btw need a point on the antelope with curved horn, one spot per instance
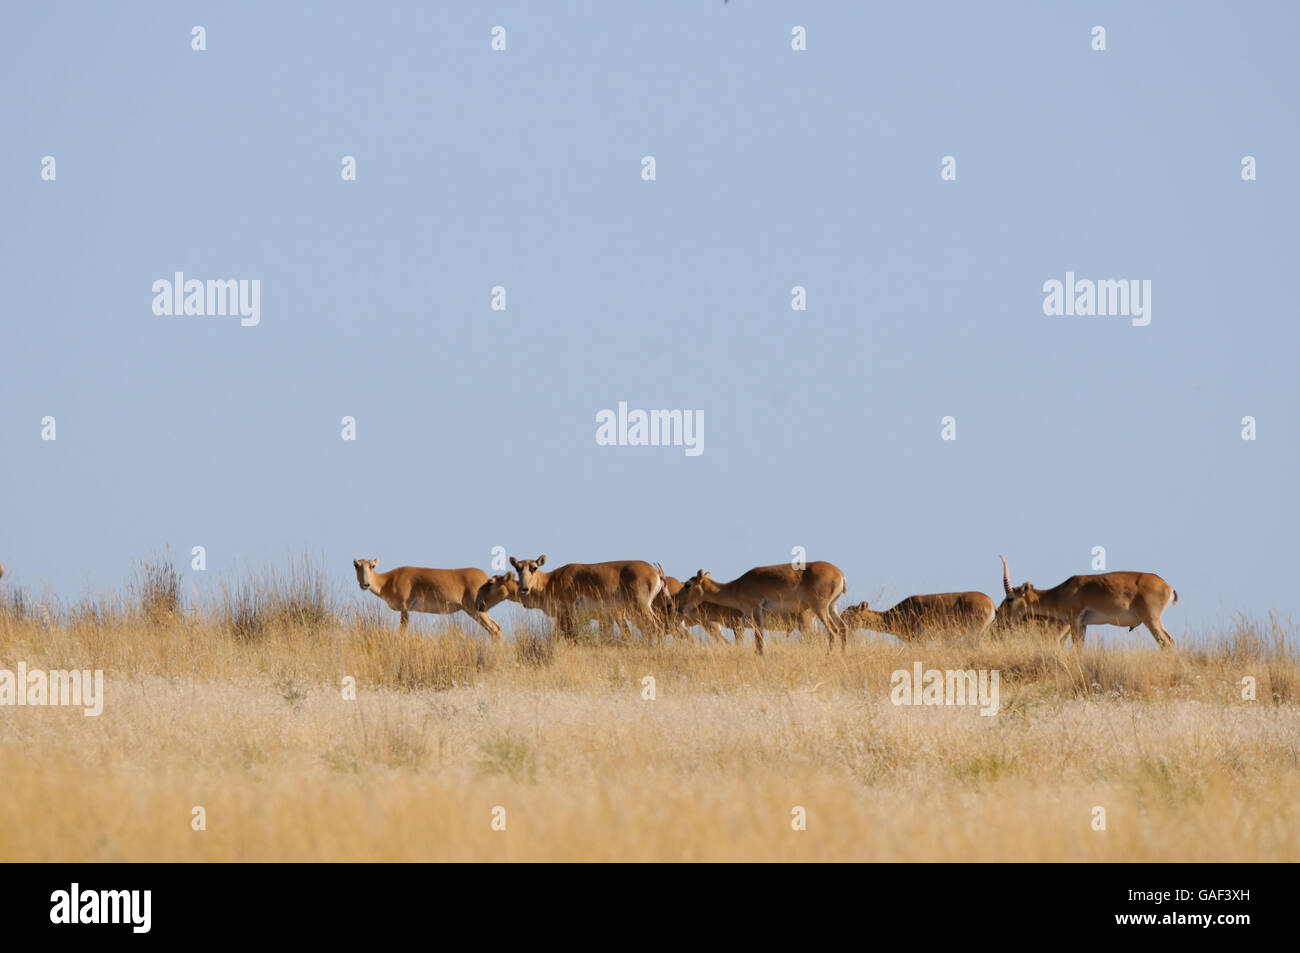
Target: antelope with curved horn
(438, 591)
(925, 616)
(1109, 598)
(774, 589)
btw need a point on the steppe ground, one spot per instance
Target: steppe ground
(239, 709)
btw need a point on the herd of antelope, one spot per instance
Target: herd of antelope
(785, 597)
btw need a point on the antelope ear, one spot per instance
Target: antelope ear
(541, 560)
(374, 563)
(514, 562)
(356, 564)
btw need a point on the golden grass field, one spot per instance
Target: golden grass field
(239, 709)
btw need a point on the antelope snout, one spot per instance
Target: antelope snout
(365, 585)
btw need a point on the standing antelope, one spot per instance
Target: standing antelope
(439, 591)
(774, 589)
(622, 590)
(712, 617)
(1108, 598)
(919, 617)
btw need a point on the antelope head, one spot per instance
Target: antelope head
(692, 592)
(1020, 601)
(855, 613)
(527, 569)
(496, 590)
(365, 571)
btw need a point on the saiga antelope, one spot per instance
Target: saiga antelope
(622, 590)
(774, 589)
(495, 590)
(919, 617)
(714, 618)
(505, 587)
(439, 591)
(1109, 598)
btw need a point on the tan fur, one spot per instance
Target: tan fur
(709, 617)
(773, 589)
(925, 616)
(1109, 598)
(675, 622)
(495, 590)
(720, 617)
(439, 591)
(621, 591)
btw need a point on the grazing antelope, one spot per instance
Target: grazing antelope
(623, 590)
(1109, 598)
(438, 591)
(774, 589)
(920, 617)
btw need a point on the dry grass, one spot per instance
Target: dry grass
(242, 713)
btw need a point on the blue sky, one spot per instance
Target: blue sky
(775, 168)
